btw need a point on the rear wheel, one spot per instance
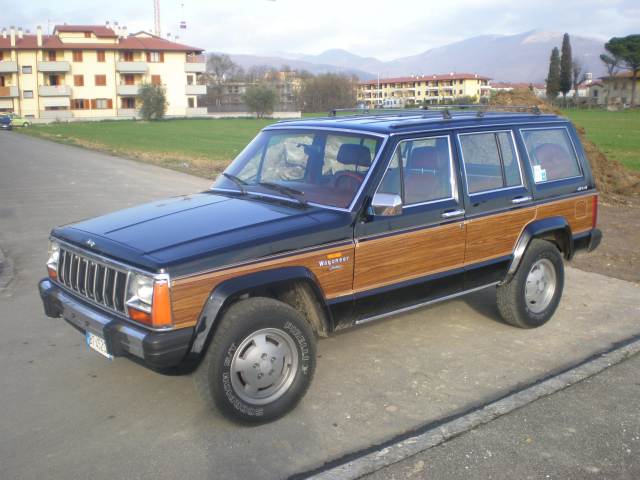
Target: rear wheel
(530, 298)
(260, 362)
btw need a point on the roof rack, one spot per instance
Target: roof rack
(483, 108)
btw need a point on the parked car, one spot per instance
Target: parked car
(322, 224)
(5, 122)
(18, 121)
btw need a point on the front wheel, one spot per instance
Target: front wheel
(530, 298)
(260, 362)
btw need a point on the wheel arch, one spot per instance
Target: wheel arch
(555, 229)
(296, 286)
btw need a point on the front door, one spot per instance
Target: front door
(408, 259)
(498, 202)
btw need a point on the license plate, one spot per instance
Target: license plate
(98, 344)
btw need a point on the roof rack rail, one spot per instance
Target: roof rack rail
(483, 108)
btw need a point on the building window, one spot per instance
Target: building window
(460, 92)
(27, 69)
(155, 80)
(27, 94)
(156, 57)
(78, 80)
(53, 80)
(100, 55)
(128, 79)
(79, 104)
(127, 56)
(128, 102)
(189, 79)
(102, 104)
(190, 102)
(77, 55)
(1, 56)
(52, 55)
(87, 34)
(100, 80)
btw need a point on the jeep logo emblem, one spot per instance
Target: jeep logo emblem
(91, 243)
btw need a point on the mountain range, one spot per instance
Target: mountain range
(522, 57)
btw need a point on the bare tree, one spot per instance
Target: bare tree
(612, 64)
(578, 76)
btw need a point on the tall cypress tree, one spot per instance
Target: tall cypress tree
(553, 78)
(566, 63)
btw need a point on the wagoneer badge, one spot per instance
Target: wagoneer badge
(91, 243)
(334, 261)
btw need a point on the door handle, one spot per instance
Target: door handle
(452, 213)
(521, 200)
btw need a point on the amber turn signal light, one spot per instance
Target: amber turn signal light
(53, 274)
(161, 308)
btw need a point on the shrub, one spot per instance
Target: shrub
(154, 101)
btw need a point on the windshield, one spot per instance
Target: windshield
(321, 167)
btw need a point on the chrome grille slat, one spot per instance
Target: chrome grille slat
(82, 275)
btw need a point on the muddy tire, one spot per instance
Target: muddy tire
(530, 297)
(260, 362)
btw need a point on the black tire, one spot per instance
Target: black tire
(512, 302)
(213, 378)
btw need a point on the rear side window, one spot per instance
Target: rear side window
(490, 161)
(551, 154)
(421, 170)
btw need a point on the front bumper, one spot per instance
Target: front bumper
(157, 350)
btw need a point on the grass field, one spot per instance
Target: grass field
(201, 147)
(616, 133)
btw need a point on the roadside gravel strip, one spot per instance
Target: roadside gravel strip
(368, 461)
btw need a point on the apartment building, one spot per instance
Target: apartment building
(422, 89)
(94, 72)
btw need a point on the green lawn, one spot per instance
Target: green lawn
(199, 146)
(616, 133)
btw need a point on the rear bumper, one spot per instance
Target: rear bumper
(588, 241)
(157, 350)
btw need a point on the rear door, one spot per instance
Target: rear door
(497, 199)
(418, 255)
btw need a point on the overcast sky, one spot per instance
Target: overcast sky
(385, 29)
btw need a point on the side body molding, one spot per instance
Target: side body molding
(539, 228)
(240, 285)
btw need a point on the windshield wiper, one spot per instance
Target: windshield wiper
(288, 191)
(238, 181)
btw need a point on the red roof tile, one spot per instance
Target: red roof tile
(52, 42)
(97, 30)
(421, 78)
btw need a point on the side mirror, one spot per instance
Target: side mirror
(386, 205)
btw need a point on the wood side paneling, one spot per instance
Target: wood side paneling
(578, 212)
(188, 295)
(394, 258)
(400, 257)
(495, 235)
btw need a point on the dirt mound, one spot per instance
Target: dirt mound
(614, 180)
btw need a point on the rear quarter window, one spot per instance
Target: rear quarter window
(551, 154)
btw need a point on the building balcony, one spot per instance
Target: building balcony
(195, 64)
(197, 111)
(127, 90)
(54, 90)
(9, 92)
(196, 90)
(60, 66)
(56, 114)
(126, 112)
(132, 67)
(8, 67)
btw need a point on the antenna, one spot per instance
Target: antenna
(156, 17)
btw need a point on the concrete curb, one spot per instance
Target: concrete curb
(404, 448)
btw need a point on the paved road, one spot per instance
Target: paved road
(67, 413)
(591, 430)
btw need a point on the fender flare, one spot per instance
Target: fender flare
(538, 228)
(233, 287)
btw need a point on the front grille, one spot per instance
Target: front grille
(93, 280)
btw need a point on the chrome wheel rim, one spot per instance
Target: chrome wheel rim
(264, 366)
(540, 285)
